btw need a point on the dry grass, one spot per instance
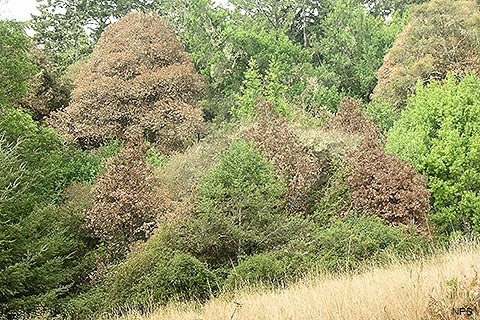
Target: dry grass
(401, 291)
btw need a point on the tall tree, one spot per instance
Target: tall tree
(68, 29)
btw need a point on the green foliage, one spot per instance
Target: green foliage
(250, 93)
(260, 269)
(16, 67)
(44, 246)
(439, 133)
(259, 88)
(353, 241)
(382, 113)
(242, 185)
(156, 275)
(45, 257)
(239, 208)
(351, 47)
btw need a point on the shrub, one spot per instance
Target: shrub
(260, 269)
(138, 83)
(239, 210)
(126, 204)
(271, 133)
(438, 133)
(156, 275)
(354, 241)
(46, 258)
(440, 37)
(380, 183)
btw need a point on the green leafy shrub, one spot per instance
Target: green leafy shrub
(439, 133)
(46, 258)
(353, 241)
(260, 269)
(240, 210)
(46, 252)
(155, 275)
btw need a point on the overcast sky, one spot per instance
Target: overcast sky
(22, 9)
(17, 9)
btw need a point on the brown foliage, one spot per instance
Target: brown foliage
(126, 206)
(442, 36)
(137, 83)
(301, 167)
(46, 93)
(380, 183)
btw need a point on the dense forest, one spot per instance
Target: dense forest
(155, 152)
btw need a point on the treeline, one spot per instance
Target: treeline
(188, 149)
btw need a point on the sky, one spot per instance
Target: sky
(17, 9)
(22, 9)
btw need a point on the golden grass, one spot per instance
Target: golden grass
(401, 291)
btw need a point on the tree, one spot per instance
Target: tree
(350, 48)
(439, 133)
(138, 85)
(442, 36)
(68, 29)
(16, 66)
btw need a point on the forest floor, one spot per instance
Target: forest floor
(443, 286)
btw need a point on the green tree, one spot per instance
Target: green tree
(350, 48)
(44, 247)
(439, 133)
(16, 67)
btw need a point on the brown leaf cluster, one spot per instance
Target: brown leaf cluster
(380, 183)
(138, 83)
(126, 205)
(300, 166)
(442, 36)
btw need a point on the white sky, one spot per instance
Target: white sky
(22, 9)
(17, 9)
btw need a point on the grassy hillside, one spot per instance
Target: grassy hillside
(424, 289)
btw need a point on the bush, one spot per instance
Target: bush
(135, 87)
(271, 134)
(357, 240)
(127, 204)
(380, 183)
(156, 275)
(440, 37)
(438, 133)
(239, 211)
(46, 252)
(46, 258)
(260, 269)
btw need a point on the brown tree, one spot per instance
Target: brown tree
(380, 183)
(299, 165)
(442, 36)
(138, 83)
(126, 205)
